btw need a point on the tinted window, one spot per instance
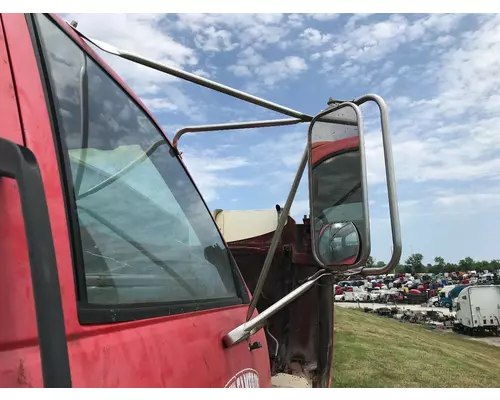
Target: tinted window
(146, 235)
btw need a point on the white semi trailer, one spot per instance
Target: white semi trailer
(478, 310)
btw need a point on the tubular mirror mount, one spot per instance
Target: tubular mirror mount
(234, 126)
(391, 186)
(188, 76)
(244, 331)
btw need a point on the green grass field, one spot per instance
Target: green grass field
(372, 351)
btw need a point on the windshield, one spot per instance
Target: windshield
(145, 233)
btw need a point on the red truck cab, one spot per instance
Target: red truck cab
(113, 272)
(142, 305)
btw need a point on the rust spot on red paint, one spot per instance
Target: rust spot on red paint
(21, 375)
(73, 337)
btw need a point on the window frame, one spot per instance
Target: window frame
(89, 313)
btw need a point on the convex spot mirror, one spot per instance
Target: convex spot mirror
(339, 243)
(340, 229)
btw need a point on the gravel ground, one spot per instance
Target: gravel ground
(493, 340)
(445, 311)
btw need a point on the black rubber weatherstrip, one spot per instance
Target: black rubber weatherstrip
(19, 163)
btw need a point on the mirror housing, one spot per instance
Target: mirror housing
(340, 227)
(334, 133)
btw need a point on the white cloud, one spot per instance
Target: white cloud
(324, 16)
(315, 56)
(432, 159)
(388, 83)
(295, 20)
(259, 30)
(226, 163)
(441, 23)
(443, 202)
(211, 39)
(355, 19)
(145, 35)
(453, 134)
(159, 104)
(348, 73)
(313, 37)
(284, 69)
(387, 67)
(140, 34)
(444, 40)
(402, 70)
(201, 72)
(371, 42)
(267, 18)
(267, 73)
(470, 76)
(189, 107)
(472, 201)
(287, 149)
(239, 70)
(250, 57)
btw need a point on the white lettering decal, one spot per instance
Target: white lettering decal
(247, 378)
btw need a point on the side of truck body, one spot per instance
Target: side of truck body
(478, 309)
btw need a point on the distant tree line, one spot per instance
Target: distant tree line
(415, 264)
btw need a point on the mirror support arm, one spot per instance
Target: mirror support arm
(244, 331)
(198, 80)
(245, 125)
(391, 186)
(277, 235)
(234, 126)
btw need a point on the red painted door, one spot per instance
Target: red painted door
(148, 285)
(17, 314)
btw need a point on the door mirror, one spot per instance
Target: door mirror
(340, 232)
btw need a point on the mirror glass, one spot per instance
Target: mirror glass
(336, 185)
(338, 243)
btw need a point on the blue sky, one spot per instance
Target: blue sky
(439, 74)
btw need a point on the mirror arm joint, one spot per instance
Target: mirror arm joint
(247, 329)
